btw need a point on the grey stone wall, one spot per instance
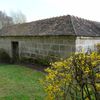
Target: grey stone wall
(5, 43)
(58, 46)
(86, 43)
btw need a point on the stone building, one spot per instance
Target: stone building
(54, 37)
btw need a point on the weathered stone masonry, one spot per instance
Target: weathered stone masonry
(41, 46)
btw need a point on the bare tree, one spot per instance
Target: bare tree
(5, 20)
(18, 17)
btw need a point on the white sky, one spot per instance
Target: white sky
(40, 9)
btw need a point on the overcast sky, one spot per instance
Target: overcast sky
(39, 9)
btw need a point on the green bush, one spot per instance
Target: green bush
(4, 56)
(40, 60)
(45, 61)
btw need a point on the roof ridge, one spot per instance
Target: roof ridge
(72, 24)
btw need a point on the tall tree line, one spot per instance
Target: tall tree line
(5, 20)
(14, 18)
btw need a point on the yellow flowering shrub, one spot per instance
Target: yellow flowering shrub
(74, 78)
(98, 86)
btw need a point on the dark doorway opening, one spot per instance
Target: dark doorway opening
(15, 51)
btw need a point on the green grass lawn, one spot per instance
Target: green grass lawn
(20, 83)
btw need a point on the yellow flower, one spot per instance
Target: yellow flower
(87, 70)
(98, 75)
(94, 63)
(98, 86)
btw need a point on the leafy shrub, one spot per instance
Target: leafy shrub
(30, 60)
(41, 61)
(38, 59)
(74, 78)
(45, 61)
(4, 56)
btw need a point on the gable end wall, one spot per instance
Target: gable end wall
(86, 43)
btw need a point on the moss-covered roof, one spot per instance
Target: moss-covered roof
(63, 25)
